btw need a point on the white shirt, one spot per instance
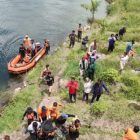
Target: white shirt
(87, 87)
(124, 59)
(30, 127)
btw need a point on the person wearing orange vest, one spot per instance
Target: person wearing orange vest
(54, 111)
(30, 114)
(131, 134)
(43, 113)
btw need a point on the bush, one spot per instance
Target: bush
(132, 87)
(110, 75)
(99, 108)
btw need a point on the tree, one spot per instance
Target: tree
(92, 7)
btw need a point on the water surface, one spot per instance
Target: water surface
(52, 19)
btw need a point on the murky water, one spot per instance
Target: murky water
(52, 19)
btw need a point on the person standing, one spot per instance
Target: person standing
(49, 79)
(98, 90)
(33, 129)
(33, 49)
(91, 71)
(93, 46)
(43, 113)
(80, 32)
(111, 43)
(30, 114)
(73, 87)
(122, 31)
(45, 72)
(131, 134)
(47, 45)
(129, 48)
(87, 89)
(72, 38)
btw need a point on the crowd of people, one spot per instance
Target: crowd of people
(29, 48)
(49, 123)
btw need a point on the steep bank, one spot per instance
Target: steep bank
(108, 118)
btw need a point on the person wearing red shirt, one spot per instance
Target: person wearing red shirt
(73, 87)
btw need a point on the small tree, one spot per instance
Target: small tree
(92, 7)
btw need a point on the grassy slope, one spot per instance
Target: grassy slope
(117, 113)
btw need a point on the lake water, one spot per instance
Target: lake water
(40, 19)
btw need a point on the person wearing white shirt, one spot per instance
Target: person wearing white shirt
(123, 61)
(87, 89)
(33, 129)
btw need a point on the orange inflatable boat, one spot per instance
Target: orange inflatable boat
(16, 67)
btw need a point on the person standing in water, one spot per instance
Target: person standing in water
(80, 32)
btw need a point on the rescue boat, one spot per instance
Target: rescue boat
(16, 67)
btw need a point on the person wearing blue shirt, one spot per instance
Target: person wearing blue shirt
(98, 90)
(129, 46)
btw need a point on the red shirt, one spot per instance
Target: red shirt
(73, 86)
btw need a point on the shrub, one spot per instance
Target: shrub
(110, 75)
(99, 108)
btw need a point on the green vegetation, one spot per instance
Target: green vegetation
(92, 7)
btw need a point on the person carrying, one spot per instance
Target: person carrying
(80, 32)
(131, 134)
(111, 43)
(43, 113)
(74, 129)
(98, 90)
(34, 129)
(30, 114)
(72, 38)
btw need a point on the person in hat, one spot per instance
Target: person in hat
(72, 38)
(43, 113)
(80, 32)
(27, 43)
(73, 87)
